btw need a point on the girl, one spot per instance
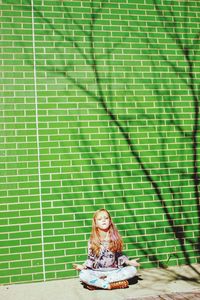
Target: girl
(106, 266)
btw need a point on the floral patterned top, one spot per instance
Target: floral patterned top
(106, 259)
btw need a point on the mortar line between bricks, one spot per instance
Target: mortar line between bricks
(37, 135)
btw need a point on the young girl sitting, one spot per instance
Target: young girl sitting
(106, 266)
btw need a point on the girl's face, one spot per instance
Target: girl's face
(102, 221)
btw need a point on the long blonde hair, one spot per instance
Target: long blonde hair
(115, 242)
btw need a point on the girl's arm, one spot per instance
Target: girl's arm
(133, 262)
(88, 263)
(79, 267)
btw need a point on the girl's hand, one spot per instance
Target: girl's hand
(78, 267)
(133, 262)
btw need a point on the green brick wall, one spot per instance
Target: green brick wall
(99, 108)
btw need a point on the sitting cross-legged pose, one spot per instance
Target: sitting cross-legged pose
(106, 266)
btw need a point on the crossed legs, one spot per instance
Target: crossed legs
(103, 279)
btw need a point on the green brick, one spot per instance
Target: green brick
(22, 278)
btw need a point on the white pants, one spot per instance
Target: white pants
(102, 279)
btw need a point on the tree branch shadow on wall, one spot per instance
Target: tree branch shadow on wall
(188, 52)
(91, 61)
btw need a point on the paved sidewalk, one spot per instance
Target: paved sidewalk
(150, 282)
(173, 296)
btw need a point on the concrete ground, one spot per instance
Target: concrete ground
(150, 282)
